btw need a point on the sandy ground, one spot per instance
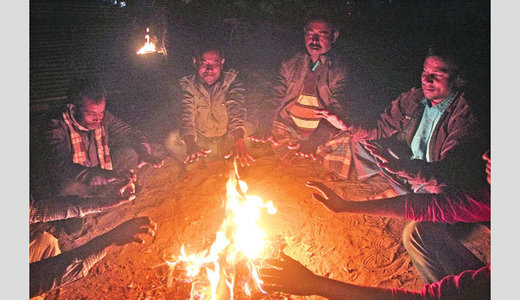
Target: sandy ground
(354, 248)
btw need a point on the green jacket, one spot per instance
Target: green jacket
(212, 111)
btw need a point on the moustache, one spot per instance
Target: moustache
(315, 45)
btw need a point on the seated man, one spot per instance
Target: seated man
(44, 211)
(423, 137)
(458, 274)
(59, 269)
(49, 266)
(213, 112)
(312, 79)
(291, 277)
(90, 147)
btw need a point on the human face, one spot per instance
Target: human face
(92, 114)
(209, 66)
(436, 81)
(319, 38)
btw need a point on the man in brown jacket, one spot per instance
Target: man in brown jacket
(212, 112)
(312, 79)
(424, 139)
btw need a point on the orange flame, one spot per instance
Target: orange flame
(239, 238)
(148, 47)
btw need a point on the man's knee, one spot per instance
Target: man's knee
(124, 158)
(424, 237)
(415, 233)
(43, 245)
(175, 146)
(408, 234)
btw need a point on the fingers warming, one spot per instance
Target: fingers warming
(142, 221)
(319, 197)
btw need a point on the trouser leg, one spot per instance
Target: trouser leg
(366, 166)
(436, 252)
(124, 158)
(285, 135)
(43, 245)
(175, 147)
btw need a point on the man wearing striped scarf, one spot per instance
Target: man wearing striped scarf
(90, 147)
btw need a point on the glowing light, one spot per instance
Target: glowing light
(239, 240)
(148, 47)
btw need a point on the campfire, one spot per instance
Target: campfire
(149, 46)
(229, 269)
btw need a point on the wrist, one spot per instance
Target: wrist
(189, 141)
(319, 285)
(100, 243)
(237, 134)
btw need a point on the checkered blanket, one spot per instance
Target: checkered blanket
(335, 154)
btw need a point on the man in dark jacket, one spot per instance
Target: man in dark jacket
(90, 147)
(449, 270)
(420, 142)
(312, 79)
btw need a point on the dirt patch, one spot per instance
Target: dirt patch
(354, 248)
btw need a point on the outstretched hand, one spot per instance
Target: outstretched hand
(263, 136)
(126, 175)
(331, 118)
(123, 193)
(152, 160)
(131, 231)
(385, 158)
(330, 199)
(194, 152)
(99, 176)
(487, 157)
(288, 276)
(306, 149)
(239, 152)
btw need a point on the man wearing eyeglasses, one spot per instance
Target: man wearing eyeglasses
(212, 122)
(311, 79)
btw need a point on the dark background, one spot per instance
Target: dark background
(383, 42)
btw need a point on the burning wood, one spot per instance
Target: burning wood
(230, 267)
(149, 46)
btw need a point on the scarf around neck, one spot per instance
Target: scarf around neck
(79, 154)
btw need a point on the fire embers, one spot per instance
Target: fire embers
(229, 269)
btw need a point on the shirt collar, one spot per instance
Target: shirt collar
(441, 107)
(207, 86)
(324, 59)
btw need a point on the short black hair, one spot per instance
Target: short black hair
(82, 88)
(454, 60)
(321, 15)
(206, 47)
